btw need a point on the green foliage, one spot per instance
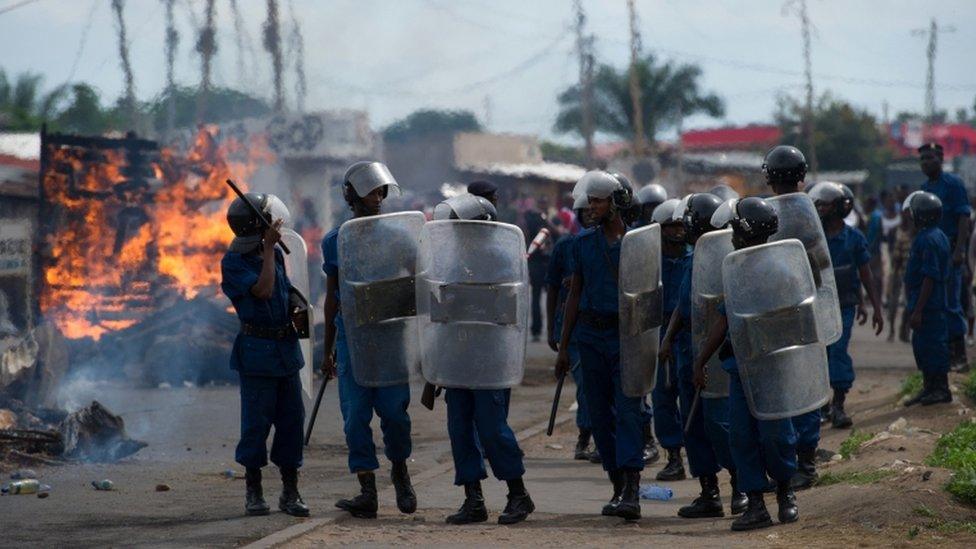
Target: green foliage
(853, 442)
(924, 511)
(912, 385)
(847, 138)
(969, 386)
(220, 105)
(427, 122)
(853, 477)
(962, 485)
(913, 532)
(956, 449)
(669, 92)
(22, 105)
(554, 152)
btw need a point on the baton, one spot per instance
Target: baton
(315, 411)
(257, 212)
(667, 375)
(555, 405)
(694, 408)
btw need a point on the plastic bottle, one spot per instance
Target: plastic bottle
(26, 486)
(103, 485)
(653, 491)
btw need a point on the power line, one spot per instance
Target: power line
(16, 5)
(933, 34)
(83, 41)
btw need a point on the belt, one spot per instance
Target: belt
(600, 321)
(284, 331)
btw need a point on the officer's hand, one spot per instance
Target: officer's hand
(916, 319)
(328, 366)
(664, 354)
(877, 321)
(862, 315)
(562, 364)
(553, 344)
(272, 234)
(699, 376)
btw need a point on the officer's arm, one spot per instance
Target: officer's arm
(962, 236)
(928, 284)
(569, 314)
(676, 325)
(716, 336)
(552, 296)
(264, 287)
(331, 309)
(867, 278)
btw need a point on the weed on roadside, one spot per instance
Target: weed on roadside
(853, 442)
(969, 386)
(853, 477)
(956, 451)
(924, 511)
(911, 385)
(962, 485)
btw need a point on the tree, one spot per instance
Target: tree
(669, 93)
(219, 105)
(22, 105)
(426, 122)
(83, 113)
(846, 138)
(555, 152)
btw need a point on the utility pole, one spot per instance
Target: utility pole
(130, 91)
(809, 130)
(584, 46)
(172, 41)
(640, 143)
(206, 47)
(488, 112)
(933, 35)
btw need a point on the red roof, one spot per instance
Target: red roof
(956, 139)
(10, 160)
(744, 138)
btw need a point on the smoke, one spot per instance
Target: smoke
(130, 87)
(272, 43)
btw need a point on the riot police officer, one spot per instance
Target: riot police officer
(266, 354)
(650, 197)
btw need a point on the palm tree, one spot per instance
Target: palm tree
(22, 105)
(669, 92)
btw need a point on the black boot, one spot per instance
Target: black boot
(740, 501)
(708, 504)
(675, 469)
(617, 478)
(926, 388)
(629, 506)
(651, 453)
(838, 417)
(939, 391)
(406, 498)
(806, 469)
(595, 456)
(786, 500)
(473, 509)
(756, 515)
(290, 501)
(254, 503)
(825, 415)
(957, 351)
(519, 504)
(582, 445)
(364, 505)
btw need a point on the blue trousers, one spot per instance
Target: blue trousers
(477, 422)
(358, 404)
(582, 412)
(667, 416)
(707, 439)
(838, 359)
(759, 447)
(267, 401)
(956, 316)
(930, 343)
(615, 418)
(807, 427)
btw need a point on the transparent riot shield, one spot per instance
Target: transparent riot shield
(641, 308)
(707, 294)
(798, 219)
(472, 304)
(296, 266)
(377, 262)
(770, 300)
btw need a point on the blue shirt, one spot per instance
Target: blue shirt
(848, 251)
(684, 293)
(930, 258)
(596, 262)
(253, 355)
(955, 202)
(330, 265)
(874, 232)
(673, 271)
(558, 271)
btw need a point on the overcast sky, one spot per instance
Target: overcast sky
(506, 60)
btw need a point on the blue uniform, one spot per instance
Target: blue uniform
(557, 275)
(930, 258)
(667, 416)
(477, 423)
(955, 204)
(615, 418)
(707, 439)
(357, 402)
(271, 391)
(759, 447)
(848, 253)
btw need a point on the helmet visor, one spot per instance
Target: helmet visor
(371, 177)
(724, 214)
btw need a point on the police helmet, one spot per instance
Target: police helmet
(664, 213)
(580, 202)
(724, 192)
(244, 222)
(652, 194)
(363, 177)
(698, 213)
(750, 218)
(925, 207)
(466, 207)
(784, 164)
(624, 197)
(832, 194)
(849, 195)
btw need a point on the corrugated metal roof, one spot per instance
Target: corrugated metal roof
(553, 171)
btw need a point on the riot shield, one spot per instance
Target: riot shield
(798, 219)
(641, 309)
(296, 266)
(707, 294)
(472, 304)
(377, 262)
(770, 300)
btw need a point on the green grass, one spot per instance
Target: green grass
(962, 485)
(924, 511)
(956, 451)
(853, 477)
(969, 386)
(912, 385)
(853, 442)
